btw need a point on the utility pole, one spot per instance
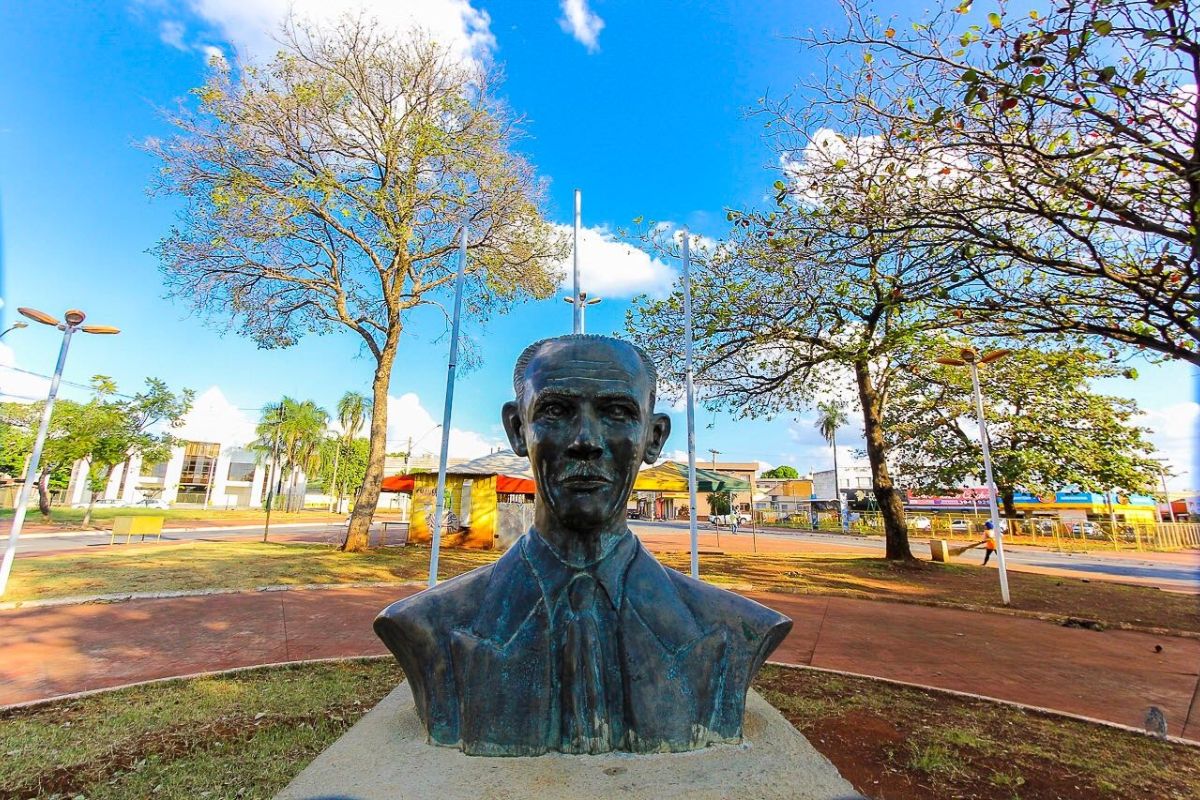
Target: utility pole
(693, 532)
(578, 299)
(715, 453)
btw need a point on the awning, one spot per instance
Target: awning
(512, 484)
(398, 483)
(671, 476)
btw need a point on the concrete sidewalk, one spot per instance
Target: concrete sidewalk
(1112, 675)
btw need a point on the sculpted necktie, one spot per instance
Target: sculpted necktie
(585, 722)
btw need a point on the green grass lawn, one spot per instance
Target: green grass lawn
(245, 735)
(246, 565)
(102, 517)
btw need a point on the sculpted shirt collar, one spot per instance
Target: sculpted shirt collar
(553, 574)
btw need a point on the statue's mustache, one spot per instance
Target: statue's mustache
(583, 472)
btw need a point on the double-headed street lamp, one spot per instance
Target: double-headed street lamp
(968, 357)
(581, 304)
(73, 323)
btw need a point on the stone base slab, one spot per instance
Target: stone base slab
(386, 756)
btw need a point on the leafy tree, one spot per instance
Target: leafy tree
(1047, 427)
(720, 502)
(799, 300)
(782, 471)
(1066, 143)
(352, 465)
(326, 190)
(296, 430)
(104, 432)
(352, 409)
(831, 415)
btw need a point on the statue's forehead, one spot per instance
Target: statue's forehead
(587, 367)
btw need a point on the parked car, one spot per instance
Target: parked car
(632, 513)
(920, 523)
(101, 504)
(1090, 530)
(725, 520)
(960, 526)
(152, 502)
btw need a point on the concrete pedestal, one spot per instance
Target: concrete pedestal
(386, 756)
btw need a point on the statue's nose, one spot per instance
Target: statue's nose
(587, 435)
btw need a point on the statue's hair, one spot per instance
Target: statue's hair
(522, 365)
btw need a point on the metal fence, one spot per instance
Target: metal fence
(1073, 536)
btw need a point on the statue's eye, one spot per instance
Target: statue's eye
(553, 411)
(620, 411)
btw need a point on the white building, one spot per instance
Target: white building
(849, 478)
(212, 467)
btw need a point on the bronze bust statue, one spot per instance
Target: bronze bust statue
(577, 640)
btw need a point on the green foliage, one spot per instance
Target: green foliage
(719, 502)
(297, 432)
(1046, 425)
(782, 471)
(105, 431)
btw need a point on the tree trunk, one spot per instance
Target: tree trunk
(43, 488)
(1006, 497)
(891, 508)
(359, 530)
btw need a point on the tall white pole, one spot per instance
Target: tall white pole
(691, 407)
(31, 472)
(576, 300)
(991, 485)
(440, 497)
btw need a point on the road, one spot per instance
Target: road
(1172, 571)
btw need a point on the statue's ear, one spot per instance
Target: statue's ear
(514, 426)
(660, 429)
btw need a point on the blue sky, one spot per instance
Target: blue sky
(641, 105)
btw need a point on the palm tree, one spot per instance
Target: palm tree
(298, 428)
(352, 411)
(831, 415)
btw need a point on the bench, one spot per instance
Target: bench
(398, 525)
(133, 526)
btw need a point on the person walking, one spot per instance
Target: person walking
(989, 542)
(733, 523)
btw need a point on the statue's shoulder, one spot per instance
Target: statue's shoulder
(434, 612)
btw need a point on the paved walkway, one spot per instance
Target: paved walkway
(1111, 675)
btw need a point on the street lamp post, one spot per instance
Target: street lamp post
(973, 360)
(73, 323)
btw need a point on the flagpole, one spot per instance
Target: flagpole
(436, 540)
(691, 407)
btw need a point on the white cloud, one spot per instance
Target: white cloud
(582, 23)
(253, 25)
(171, 32)
(407, 417)
(17, 386)
(610, 268)
(1173, 432)
(214, 419)
(212, 53)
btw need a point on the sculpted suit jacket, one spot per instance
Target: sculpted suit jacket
(479, 654)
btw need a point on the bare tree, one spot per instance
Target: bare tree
(326, 190)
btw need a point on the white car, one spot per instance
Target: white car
(920, 523)
(725, 519)
(101, 504)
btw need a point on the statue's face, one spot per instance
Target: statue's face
(586, 423)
